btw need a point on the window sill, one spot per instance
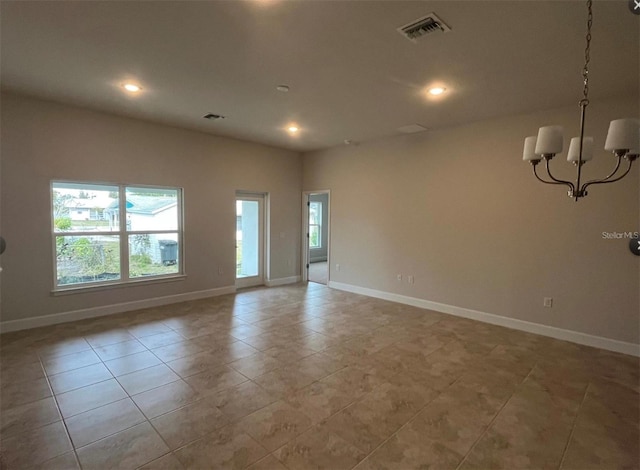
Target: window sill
(117, 285)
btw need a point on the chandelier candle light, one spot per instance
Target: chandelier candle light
(623, 139)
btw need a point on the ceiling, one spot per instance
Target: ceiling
(351, 74)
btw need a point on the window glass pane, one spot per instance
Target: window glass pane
(152, 209)
(247, 238)
(81, 259)
(153, 254)
(315, 213)
(314, 236)
(79, 207)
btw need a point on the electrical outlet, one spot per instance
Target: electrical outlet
(399, 277)
(220, 271)
(337, 267)
(410, 279)
(548, 302)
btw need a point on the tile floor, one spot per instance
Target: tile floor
(309, 377)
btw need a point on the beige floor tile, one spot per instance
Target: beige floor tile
(288, 353)
(90, 397)
(131, 448)
(105, 338)
(215, 380)
(456, 418)
(55, 347)
(134, 362)
(165, 398)
(227, 448)
(28, 417)
(245, 331)
(166, 462)
(256, 365)
(267, 463)
(161, 339)
(531, 431)
(195, 364)
(147, 379)
(319, 400)
(355, 381)
(242, 400)
(34, 447)
(190, 422)
(149, 329)
(319, 365)
(417, 388)
(368, 422)
(318, 447)
(95, 424)
(79, 378)
(13, 394)
(406, 450)
(66, 461)
(284, 380)
(58, 364)
(275, 425)
(232, 351)
(174, 351)
(21, 373)
(112, 351)
(597, 446)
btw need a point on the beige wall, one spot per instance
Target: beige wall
(42, 141)
(459, 210)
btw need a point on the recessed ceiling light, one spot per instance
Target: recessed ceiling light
(438, 90)
(131, 87)
(293, 129)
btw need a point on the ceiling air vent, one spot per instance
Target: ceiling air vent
(213, 117)
(423, 26)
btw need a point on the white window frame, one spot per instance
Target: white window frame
(123, 235)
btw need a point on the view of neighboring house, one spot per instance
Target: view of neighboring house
(88, 208)
(148, 213)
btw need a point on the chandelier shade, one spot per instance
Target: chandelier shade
(624, 134)
(573, 155)
(550, 140)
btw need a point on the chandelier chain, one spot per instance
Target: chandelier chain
(587, 55)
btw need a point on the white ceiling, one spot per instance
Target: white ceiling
(352, 75)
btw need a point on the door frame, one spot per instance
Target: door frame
(263, 239)
(306, 254)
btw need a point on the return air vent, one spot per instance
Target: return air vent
(423, 26)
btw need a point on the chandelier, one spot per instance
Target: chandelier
(623, 140)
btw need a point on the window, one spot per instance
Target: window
(315, 225)
(107, 234)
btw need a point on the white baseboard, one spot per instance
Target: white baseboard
(64, 317)
(282, 281)
(513, 323)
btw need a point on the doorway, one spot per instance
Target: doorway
(250, 250)
(317, 239)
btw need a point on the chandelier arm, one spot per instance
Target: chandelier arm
(606, 180)
(566, 183)
(535, 172)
